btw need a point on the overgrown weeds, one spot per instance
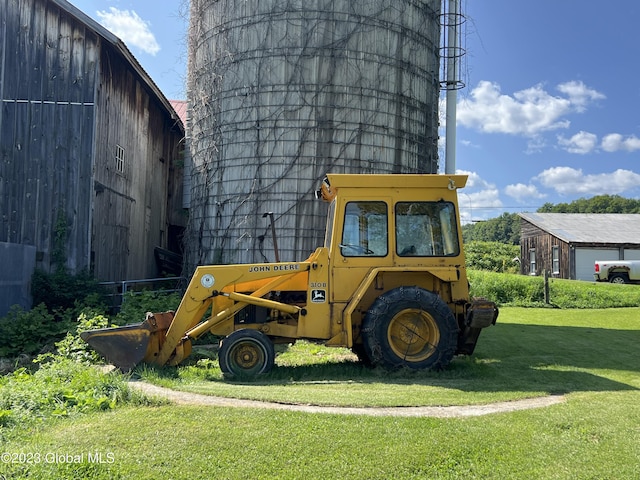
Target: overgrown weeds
(59, 389)
(27, 332)
(62, 383)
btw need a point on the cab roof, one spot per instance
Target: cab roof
(437, 181)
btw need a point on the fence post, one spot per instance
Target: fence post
(547, 301)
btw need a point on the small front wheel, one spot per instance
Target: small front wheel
(246, 353)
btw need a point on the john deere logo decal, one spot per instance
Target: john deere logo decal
(318, 296)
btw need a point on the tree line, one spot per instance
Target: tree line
(506, 227)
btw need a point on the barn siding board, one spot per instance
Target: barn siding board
(141, 191)
(48, 152)
(69, 92)
(533, 238)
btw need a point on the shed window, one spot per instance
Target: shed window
(555, 259)
(532, 261)
(119, 159)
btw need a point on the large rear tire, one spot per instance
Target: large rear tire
(410, 327)
(246, 353)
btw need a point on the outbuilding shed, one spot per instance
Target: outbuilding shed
(567, 244)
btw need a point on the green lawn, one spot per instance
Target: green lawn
(590, 356)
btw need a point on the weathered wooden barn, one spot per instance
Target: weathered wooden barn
(90, 149)
(567, 244)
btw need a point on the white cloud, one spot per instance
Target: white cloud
(567, 180)
(478, 204)
(474, 180)
(614, 142)
(488, 198)
(527, 112)
(130, 28)
(535, 144)
(469, 143)
(579, 94)
(521, 192)
(581, 143)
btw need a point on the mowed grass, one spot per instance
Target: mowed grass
(589, 356)
(531, 352)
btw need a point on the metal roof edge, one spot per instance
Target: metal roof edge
(530, 217)
(539, 221)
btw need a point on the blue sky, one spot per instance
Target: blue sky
(155, 31)
(548, 114)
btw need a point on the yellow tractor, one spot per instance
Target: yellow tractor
(389, 283)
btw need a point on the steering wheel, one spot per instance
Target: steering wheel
(358, 248)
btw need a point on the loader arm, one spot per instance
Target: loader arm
(185, 326)
(165, 338)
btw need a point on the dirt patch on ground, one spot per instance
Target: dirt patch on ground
(186, 398)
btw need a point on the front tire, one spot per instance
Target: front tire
(246, 353)
(410, 327)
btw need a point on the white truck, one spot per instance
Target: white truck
(617, 271)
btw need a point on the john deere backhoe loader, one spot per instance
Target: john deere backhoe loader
(390, 283)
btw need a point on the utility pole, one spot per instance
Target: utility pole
(452, 53)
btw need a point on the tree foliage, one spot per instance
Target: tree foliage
(503, 229)
(506, 227)
(597, 204)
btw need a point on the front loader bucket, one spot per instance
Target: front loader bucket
(127, 346)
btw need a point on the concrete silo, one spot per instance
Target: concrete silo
(283, 91)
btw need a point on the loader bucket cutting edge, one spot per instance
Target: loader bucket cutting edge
(127, 346)
(124, 347)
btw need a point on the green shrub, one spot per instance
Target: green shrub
(135, 305)
(72, 347)
(61, 291)
(492, 256)
(29, 332)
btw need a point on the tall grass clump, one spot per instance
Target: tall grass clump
(57, 389)
(507, 289)
(528, 291)
(62, 383)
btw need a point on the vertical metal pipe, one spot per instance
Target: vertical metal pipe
(451, 50)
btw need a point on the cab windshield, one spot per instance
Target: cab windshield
(426, 229)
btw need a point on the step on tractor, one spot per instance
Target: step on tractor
(389, 283)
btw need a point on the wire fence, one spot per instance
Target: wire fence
(117, 291)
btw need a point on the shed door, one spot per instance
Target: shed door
(631, 254)
(586, 258)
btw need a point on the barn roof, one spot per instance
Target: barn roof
(180, 106)
(119, 46)
(612, 228)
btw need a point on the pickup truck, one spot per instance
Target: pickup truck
(617, 271)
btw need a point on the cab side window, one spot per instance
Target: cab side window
(365, 230)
